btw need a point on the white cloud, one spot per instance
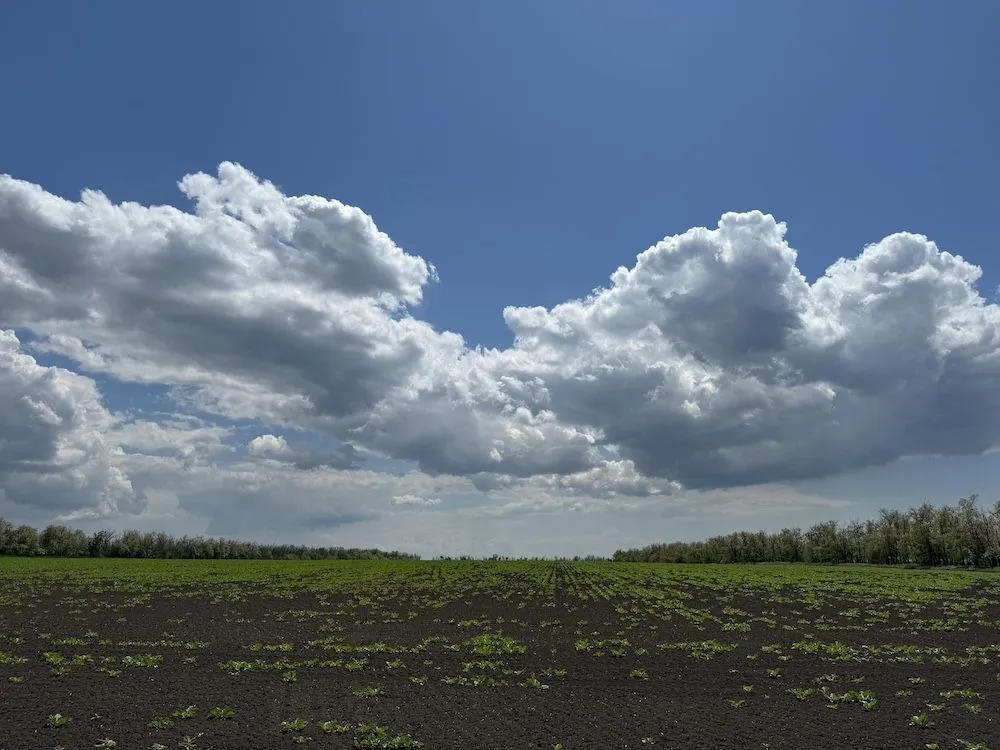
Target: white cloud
(179, 435)
(258, 304)
(711, 363)
(276, 448)
(53, 451)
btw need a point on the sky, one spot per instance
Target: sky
(508, 278)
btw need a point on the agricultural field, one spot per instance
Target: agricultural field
(105, 653)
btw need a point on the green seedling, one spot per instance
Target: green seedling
(333, 727)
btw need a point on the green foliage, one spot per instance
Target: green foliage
(959, 535)
(61, 541)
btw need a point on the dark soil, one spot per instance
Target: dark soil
(684, 702)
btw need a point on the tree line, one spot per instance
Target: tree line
(960, 535)
(61, 541)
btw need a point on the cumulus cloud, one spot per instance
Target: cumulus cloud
(179, 435)
(711, 362)
(259, 304)
(53, 451)
(276, 448)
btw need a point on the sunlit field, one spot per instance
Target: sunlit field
(448, 654)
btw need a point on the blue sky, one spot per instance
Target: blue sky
(526, 150)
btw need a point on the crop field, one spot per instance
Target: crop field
(399, 654)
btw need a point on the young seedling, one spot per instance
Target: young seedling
(221, 712)
(333, 727)
(294, 725)
(58, 720)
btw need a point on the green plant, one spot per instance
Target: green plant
(294, 725)
(221, 712)
(333, 727)
(160, 722)
(58, 720)
(381, 738)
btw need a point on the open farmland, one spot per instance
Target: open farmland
(397, 654)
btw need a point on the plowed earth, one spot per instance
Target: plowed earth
(599, 702)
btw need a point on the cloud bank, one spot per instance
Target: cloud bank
(710, 363)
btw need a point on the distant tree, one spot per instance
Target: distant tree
(23, 542)
(964, 534)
